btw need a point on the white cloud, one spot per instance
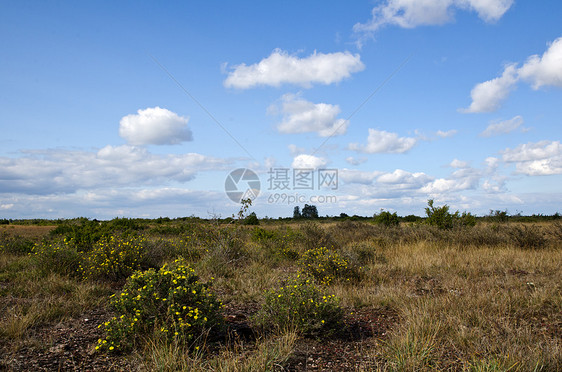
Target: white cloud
(494, 187)
(488, 96)
(446, 134)
(394, 183)
(456, 163)
(281, 68)
(488, 10)
(442, 185)
(154, 126)
(545, 70)
(464, 178)
(355, 161)
(6, 206)
(536, 159)
(301, 116)
(380, 141)
(353, 176)
(305, 161)
(413, 13)
(61, 171)
(403, 179)
(538, 71)
(492, 163)
(502, 127)
(295, 150)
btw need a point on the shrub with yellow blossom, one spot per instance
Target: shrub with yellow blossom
(56, 256)
(169, 302)
(300, 306)
(113, 258)
(327, 266)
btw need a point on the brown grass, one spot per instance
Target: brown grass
(26, 231)
(487, 298)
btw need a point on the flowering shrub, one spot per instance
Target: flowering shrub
(301, 306)
(57, 256)
(112, 258)
(170, 302)
(326, 266)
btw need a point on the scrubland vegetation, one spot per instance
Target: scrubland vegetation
(459, 294)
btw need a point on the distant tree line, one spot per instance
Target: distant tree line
(440, 216)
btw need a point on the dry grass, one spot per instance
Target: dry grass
(487, 298)
(26, 231)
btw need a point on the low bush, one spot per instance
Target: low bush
(387, 219)
(251, 219)
(169, 303)
(113, 258)
(260, 235)
(15, 244)
(56, 256)
(327, 266)
(299, 306)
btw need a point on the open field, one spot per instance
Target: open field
(411, 297)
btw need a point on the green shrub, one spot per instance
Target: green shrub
(251, 219)
(56, 256)
(112, 258)
(387, 219)
(467, 219)
(15, 244)
(439, 216)
(327, 266)
(259, 234)
(170, 303)
(299, 306)
(411, 218)
(84, 233)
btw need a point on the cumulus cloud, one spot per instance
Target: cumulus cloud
(456, 163)
(59, 171)
(545, 70)
(443, 185)
(492, 162)
(536, 159)
(489, 95)
(446, 134)
(305, 161)
(281, 68)
(380, 141)
(154, 126)
(386, 183)
(302, 116)
(464, 178)
(502, 127)
(413, 13)
(404, 180)
(355, 161)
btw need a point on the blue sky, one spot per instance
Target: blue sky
(142, 109)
